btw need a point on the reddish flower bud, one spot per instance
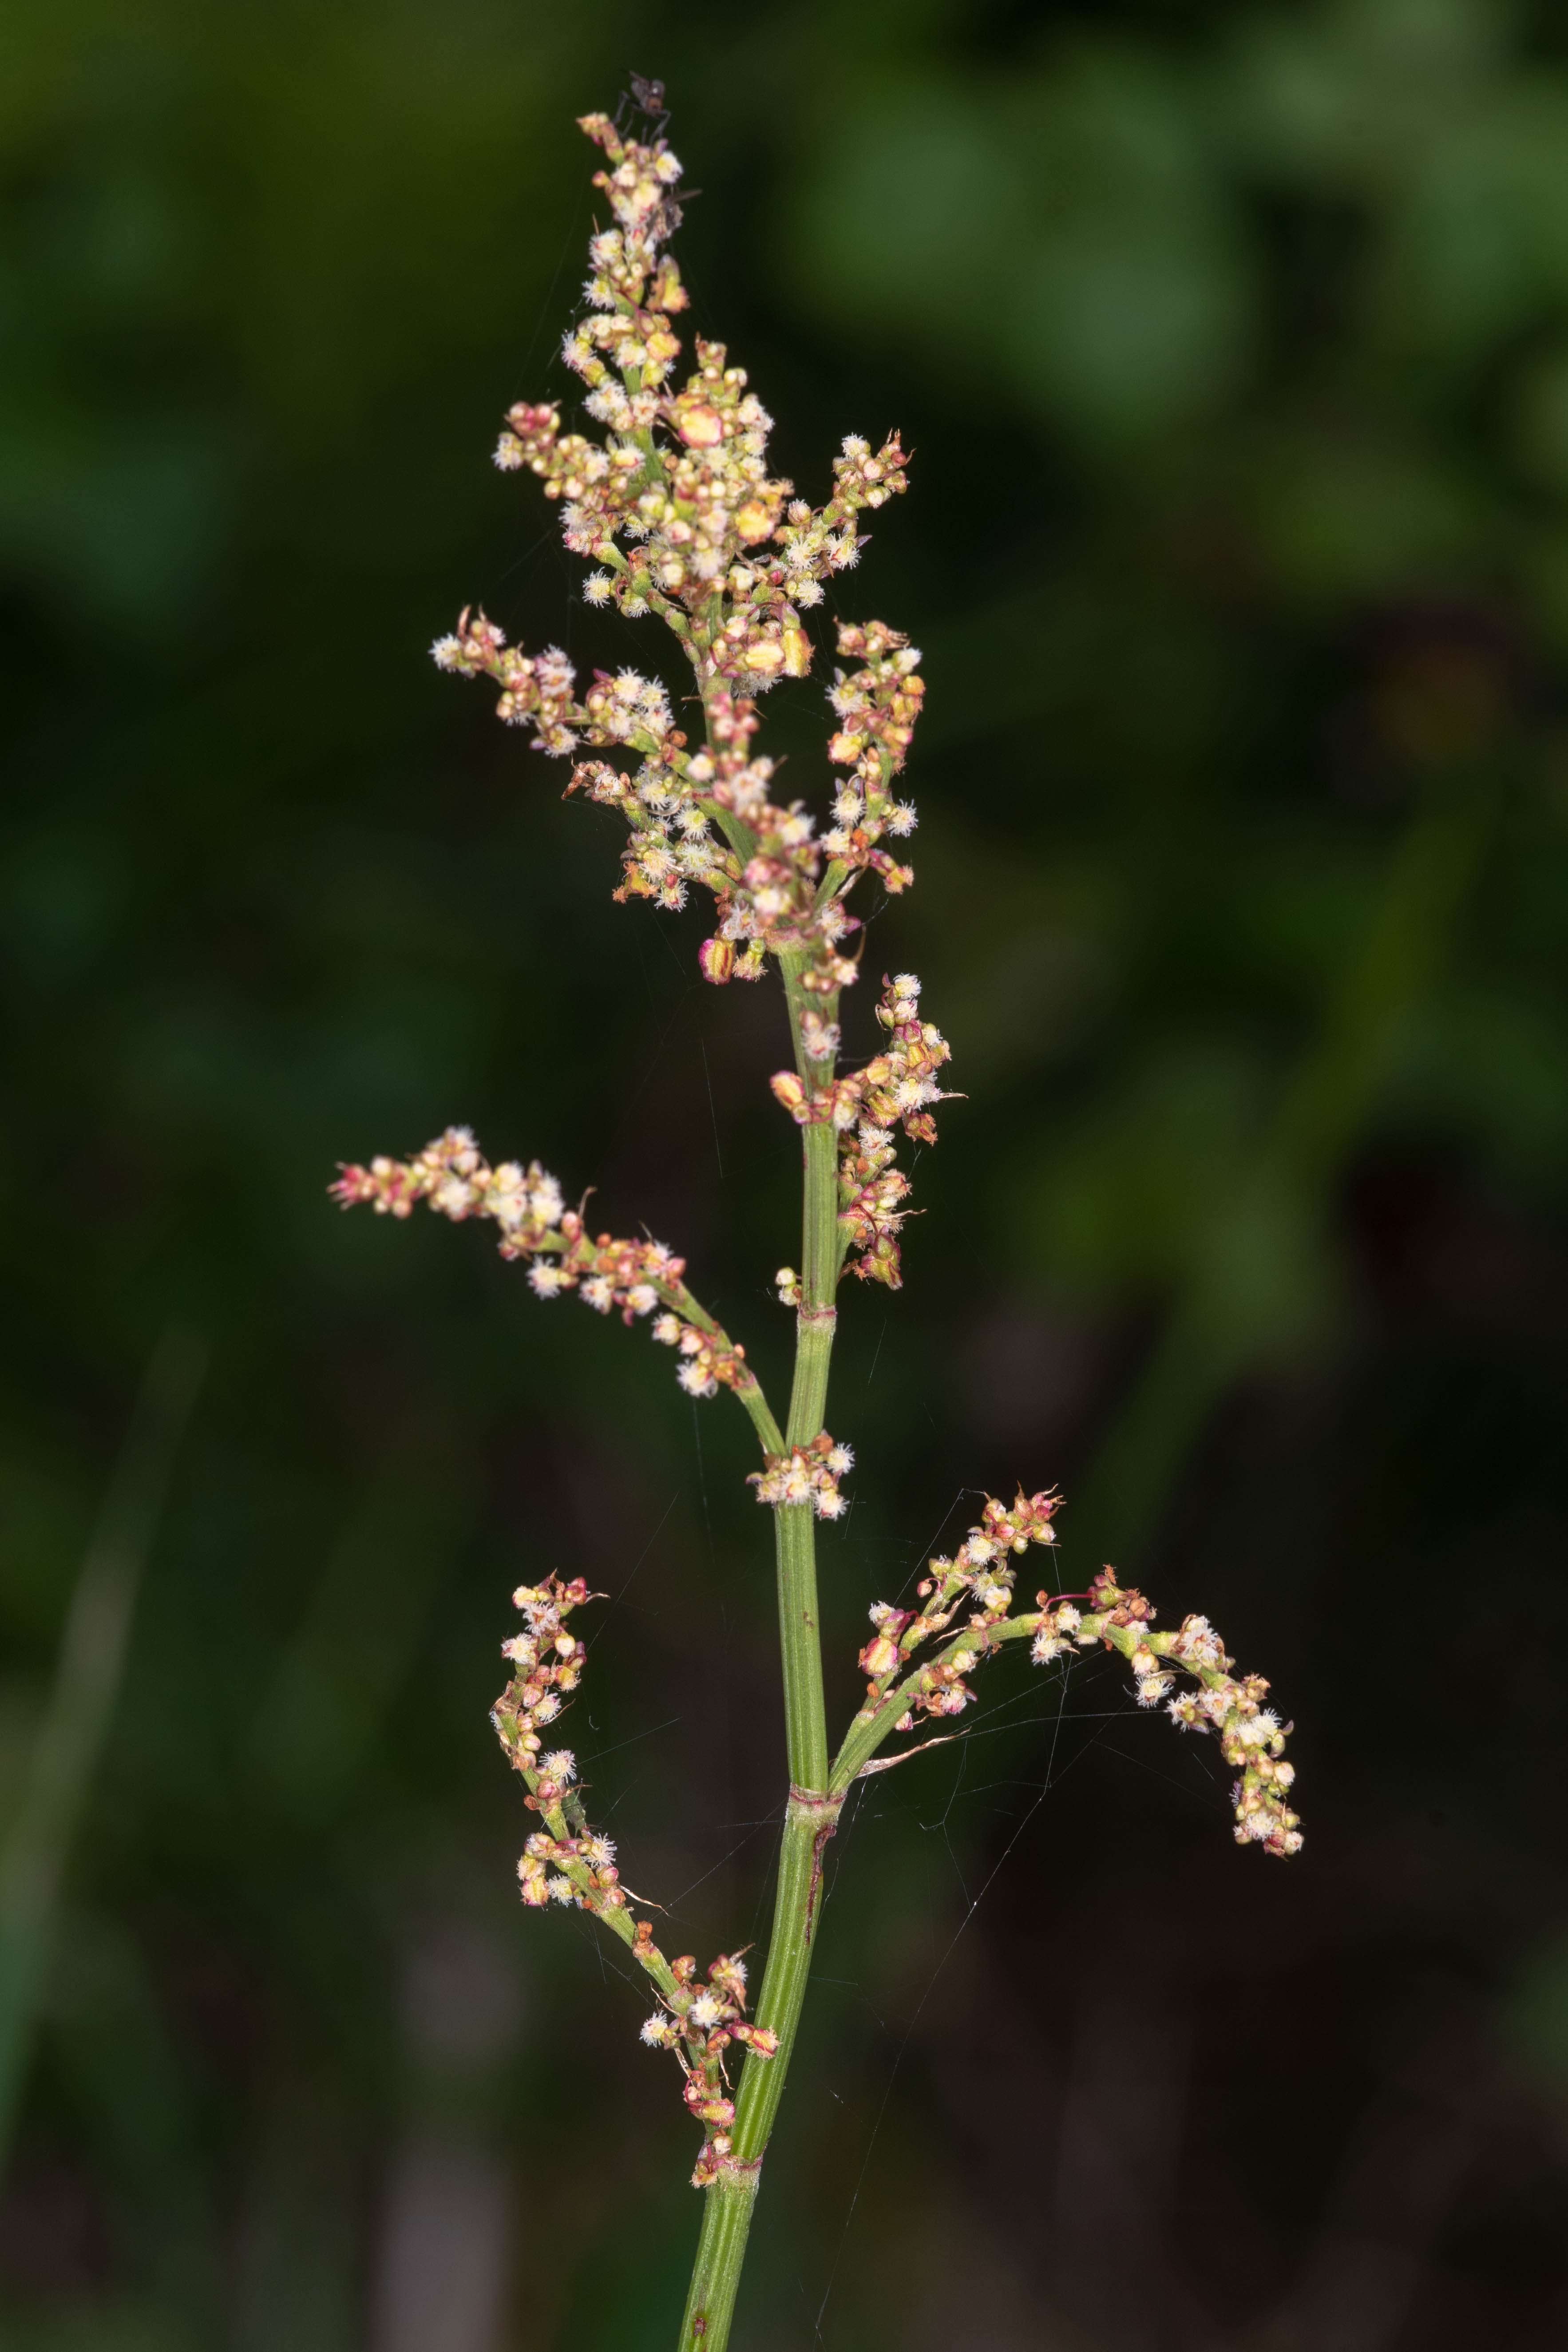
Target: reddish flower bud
(701, 428)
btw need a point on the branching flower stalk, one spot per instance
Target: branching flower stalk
(676, 511)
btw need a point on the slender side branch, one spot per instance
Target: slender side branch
(567, 1861)
(1251, 1736)
(457, 1181)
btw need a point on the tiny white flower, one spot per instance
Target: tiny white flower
(545, 1200)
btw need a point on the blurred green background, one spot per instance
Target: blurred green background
(1231, 340)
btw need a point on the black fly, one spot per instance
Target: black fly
(646, 97)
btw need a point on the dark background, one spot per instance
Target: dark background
(1232, 344)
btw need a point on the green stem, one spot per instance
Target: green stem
(762, 1419)
(800, 1643)
(815, 1321)
(720, 2250)
(811, 1814)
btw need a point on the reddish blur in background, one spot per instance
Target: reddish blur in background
(1232, 343)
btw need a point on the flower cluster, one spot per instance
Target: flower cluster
(981, 1570)
(709, 1361)
(547, 1664)
(806, 1474)
(767, 882)
(898, 1084)
(1251, 1736)
(536, 689)
(895, 1088)
(698, 2022)
(877, 708)
(682, 474)
(678, 510)
(778, 902)
(566, 1861)
(453, 1175)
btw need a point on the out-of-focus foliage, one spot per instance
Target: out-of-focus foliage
(1232, 342)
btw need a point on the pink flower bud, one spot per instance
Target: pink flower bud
(716, 961)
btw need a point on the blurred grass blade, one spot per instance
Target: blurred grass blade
(81, 1702)
(1222, 1319)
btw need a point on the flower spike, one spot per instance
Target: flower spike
(668, 497)
(676, 509)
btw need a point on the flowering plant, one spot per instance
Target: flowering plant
(677, 513)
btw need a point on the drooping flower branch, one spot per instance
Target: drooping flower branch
(452, 1175)
(567, 1861)
(981, 1573)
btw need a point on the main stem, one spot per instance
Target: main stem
(811, 1814)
